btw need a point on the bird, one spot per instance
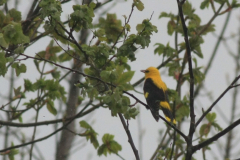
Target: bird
(156, 94)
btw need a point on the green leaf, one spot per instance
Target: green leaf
(3, 43)
(127, 50)
(171, 27)
(51, 108)
(65, 56)
(125, 77)
(109, 145)
(28, 85)
(19, 68)
(128, 27)
(56, 74)
(139, 5)
(131, 113)
(182, 108)
(217, 126)
(54, 89)
(235, 4)
(166, 15)
(198, 75)
(3, 61)
(50, 8)
(89, 133)
(210, 28)
(126, 87)
(17, 92)
(211, 117)
(20, 119)
(204, 130)
(112, 27)
(205, 4)
(105, 75)
(82, 16)
(165, 50)
(2, 2)
(19, 50)
(92, 5)
(140, 27)
(12, 152)
(13, 34)
(31, 103)
(159, 49)
(16, 15)
(187, 8)
(85, 125)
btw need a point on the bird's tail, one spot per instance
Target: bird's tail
(155, 114)
(167, 112)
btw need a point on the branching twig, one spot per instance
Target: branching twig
(130, 140)
(189, 57)
(120, 35)
(46, 137)
(214, 138)
(215, 102)
(214, 52)
(188, 51)
(13, 124)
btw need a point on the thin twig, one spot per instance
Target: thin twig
(46, 137)
(216, 137)
(215, 102)
(214, 52)
(130, 140)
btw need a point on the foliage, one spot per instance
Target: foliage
(100, 49)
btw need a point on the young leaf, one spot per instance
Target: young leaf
(125, 77)
(3, 61)
(19, 68)
(51, 108)
(13, 34)
(3, 43)
(15, 15)
(89, 133)
(204, 130)
(28, 85)
(12, 152)
(139, 5)
(109, 145)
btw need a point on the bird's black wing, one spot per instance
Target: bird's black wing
(153, 95)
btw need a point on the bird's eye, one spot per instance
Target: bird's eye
(147, 71)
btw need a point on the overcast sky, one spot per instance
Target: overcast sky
(221, 73)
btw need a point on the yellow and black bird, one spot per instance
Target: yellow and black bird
(155, 92)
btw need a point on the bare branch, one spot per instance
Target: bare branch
(215, 102)
(48, 136)
(130, 140)
(214, 138)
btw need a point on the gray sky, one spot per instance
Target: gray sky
(217, 80)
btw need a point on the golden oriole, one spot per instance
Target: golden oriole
(155, 92)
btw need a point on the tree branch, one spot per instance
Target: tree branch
(100, 80)
(214, 138)
(214, 52)
(46, 137)
(130, 140)
(188, 51)
(215, 102)
(13, 124)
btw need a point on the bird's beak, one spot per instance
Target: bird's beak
(144, 71)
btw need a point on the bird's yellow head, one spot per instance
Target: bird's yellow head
(151, 72)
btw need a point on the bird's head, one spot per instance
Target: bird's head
(151, 72)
